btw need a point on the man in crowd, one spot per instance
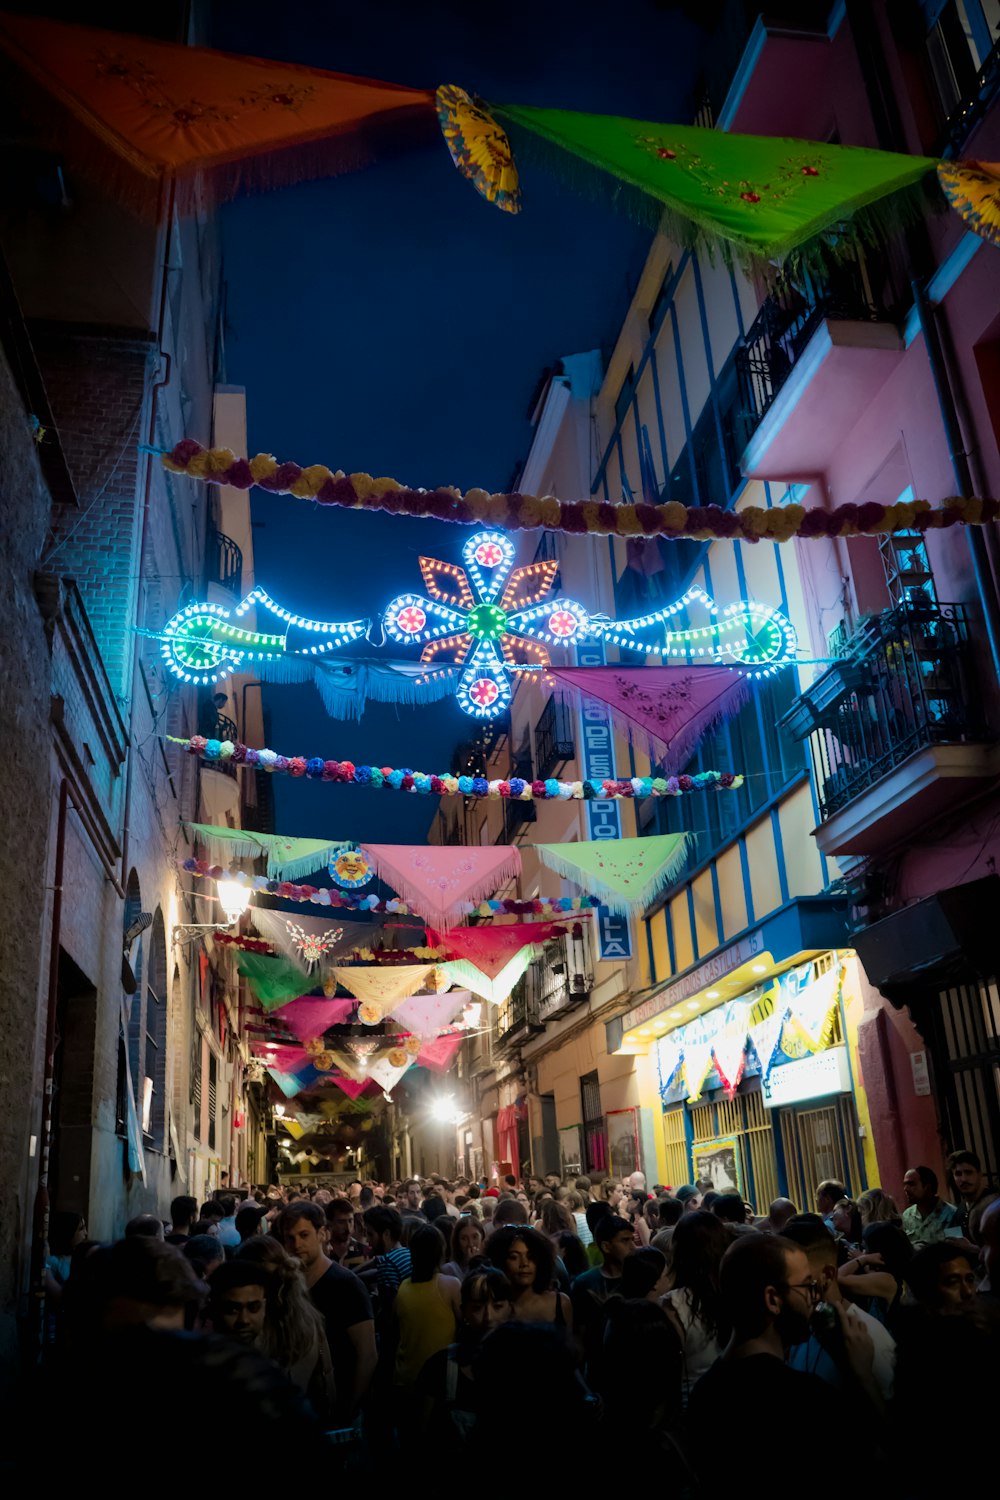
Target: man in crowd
(637, 1183)
(769, 1294)
(669, 1212)
(974, 1192)
(615, 1240)
(412, 1196)
(778, 1215)
(391, 1263)
(183, 1212)
(822, 1353)
(928, 1219)
(942, 1277)
(828, 1195)
(147, 1225)
(689, 1196)
(238, 1300)
(342, 1245)
(342, 1300)
(228, 1234)
(248, 1220)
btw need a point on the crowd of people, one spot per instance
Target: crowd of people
(353, 1323)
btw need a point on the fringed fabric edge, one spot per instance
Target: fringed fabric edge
(443, 913)
(623, 906)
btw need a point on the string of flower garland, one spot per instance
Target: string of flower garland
(516, 789)
(324, 896)
(245, 944)
(514, 512)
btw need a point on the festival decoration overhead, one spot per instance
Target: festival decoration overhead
(322, 896)
(626, 873)
(479, 148)
(516, 512)
(490, 960)
(139, 114)
(384, 985)
(668, 709)
(350, 869)
(438, 1053)
(973, 190)
(308, 942)
(426, 1015)
(346, 772)
(438, 882)
(489, 618)
(287, 858)
(761, 197)
(308, 1017)
(274, 981)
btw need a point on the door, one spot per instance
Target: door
(550, 1137)
(821, 1142)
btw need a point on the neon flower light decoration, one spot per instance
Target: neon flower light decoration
(489, 618)
(202, 645)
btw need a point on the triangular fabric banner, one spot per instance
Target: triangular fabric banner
(352, 1087)
(766, 1035)
(764, 194)
(434, 881)
(309, 942)
(213, 123)
(274, 981)
(308, 1017)
(730, 1047)
(495, 990)
(287, 858)
(438, 1054)
(287, 1082)
(384, 984)
(426, 1015)
(667, 710)
(491, 948)
(387, 1073)
(287, 1059)
(626, 873)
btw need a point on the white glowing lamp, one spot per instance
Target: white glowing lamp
(233, 898)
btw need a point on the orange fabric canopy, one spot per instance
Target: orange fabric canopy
(187, 114)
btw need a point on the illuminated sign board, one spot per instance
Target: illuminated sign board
(813, 1077)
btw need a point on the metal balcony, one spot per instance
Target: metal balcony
(225, 564)
(905, 689)
(223, 729)
(518, 1017)
(554, 739)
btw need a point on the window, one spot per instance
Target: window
(213, 1088)
(154, 1101)
(554, 738)
(961, 37)
(196, 1065)
(595, 1134)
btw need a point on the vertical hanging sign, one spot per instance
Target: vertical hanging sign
(604, 821)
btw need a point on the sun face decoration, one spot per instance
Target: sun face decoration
(349, 869)
(487, 616)
(314, 946)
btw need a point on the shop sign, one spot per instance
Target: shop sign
(813, 1077)
(604, 818)
(699, 979)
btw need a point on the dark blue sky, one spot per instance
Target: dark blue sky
(392, 321)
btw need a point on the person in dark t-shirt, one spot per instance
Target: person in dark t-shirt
(342, 1300)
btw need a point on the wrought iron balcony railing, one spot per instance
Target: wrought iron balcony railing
(554, 739)
(787, 320)
(224, 729)
(905, 684)
(225, 563)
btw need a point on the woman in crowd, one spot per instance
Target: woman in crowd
(694, 1304)
(427, 1309)
(877, 1207)
(468, 1243)
(572, 1254)
(447, 1381)
(846, 1219)
(528, 1261)
(555, 1219)
(645, 1275)
(294, 1333)
(876, 1279)
(576, 1205)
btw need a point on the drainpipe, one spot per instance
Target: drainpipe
(40, 1215)
(964, 486)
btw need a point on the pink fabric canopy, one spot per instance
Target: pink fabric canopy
(435, 881)
(426, 1015)
(670, 708)
(308, 1016)
(492, 948)
(437, 1054)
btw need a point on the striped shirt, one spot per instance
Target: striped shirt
(393, 1268)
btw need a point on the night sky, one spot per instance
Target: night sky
(393, 321)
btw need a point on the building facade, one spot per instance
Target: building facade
(125, 1059)
(773, 1020)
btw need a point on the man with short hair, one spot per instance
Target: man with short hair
(238, 1300)
(669, 1212)
(412, 1196)
(248, 1219)
(391, 1263)
(942, 1277)
(342, 1300)
(828, 1195)
(778, 1215)
(446, 1191)
(614, 1238)
(509, 1211)
(822, 1352)
(229, 1235)
(974, 1192)
(637, 1183)
(928, 1218)
(144, 1225)
(342, 1245)
(551, 1181)
(183, 1212)
(769, 1295)
(690, 1196)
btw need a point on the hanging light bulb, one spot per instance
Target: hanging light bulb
(233, 898)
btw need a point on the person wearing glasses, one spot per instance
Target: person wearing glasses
(769, 1294)
(822, 1353)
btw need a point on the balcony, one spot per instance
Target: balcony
(554, 739)
(224, 565)
(895, 730)
(223, 729)
(768, 73)
(822, 349)
(518, 1019)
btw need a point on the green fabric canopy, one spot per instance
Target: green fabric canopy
(625, 873)
(273, 980)
(765, 195)
(287, 858)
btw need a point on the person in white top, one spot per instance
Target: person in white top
(694, 1303)
(822, 1354)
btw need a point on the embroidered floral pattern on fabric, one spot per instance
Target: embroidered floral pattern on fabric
(789, 180)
